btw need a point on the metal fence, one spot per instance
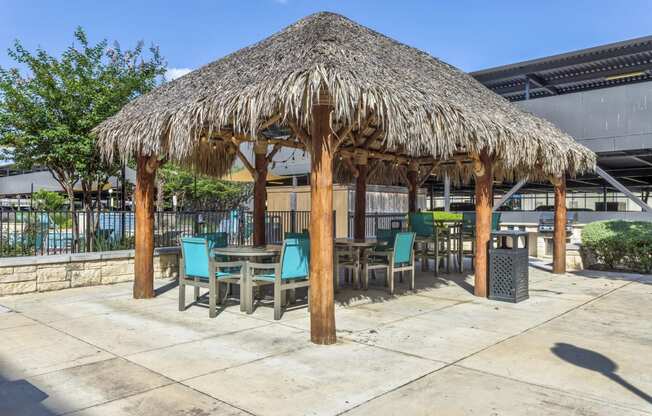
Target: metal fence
(44, 233)
(375, 221)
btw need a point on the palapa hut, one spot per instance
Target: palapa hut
(337, 90)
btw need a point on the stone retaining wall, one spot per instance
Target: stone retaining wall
(43, 273)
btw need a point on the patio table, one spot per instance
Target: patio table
(358, 248)
(453, 230)
(246, 254)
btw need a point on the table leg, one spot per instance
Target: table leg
(460, 250)
(363, 268)
(356, 271)
(244, 304)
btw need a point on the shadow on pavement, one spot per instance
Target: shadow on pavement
(593, 361)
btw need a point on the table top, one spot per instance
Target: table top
(367, 242)
(509, 233)
(248, 251)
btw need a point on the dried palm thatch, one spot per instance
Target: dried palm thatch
(420, 105)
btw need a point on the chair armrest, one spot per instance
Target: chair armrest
(381, 253)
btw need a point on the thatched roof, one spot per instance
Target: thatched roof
(422, 106)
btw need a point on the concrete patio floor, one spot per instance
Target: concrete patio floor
(582, 345)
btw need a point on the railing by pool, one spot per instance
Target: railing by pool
(32, 233)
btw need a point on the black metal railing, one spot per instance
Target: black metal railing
(375, 221)
(32, 233)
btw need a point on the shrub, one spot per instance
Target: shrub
(620, 243)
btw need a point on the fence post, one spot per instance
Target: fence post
(293, 221)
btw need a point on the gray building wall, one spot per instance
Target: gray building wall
(604, 120)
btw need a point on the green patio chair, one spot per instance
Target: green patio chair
(432, 242)
(468, 235)
(399, 258)
(200, 270)
(422, 224)
(303, 234)
(218, 239)
(292, 272)
(386, 238)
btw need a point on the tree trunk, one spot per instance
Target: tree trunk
(483, 205)
(322, 309)
(359, 217)
(144, 239)
(70, 191)
(559, 234)
(160, 205)
(260, 194)
(88, 209)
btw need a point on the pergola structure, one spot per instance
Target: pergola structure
(351, 98)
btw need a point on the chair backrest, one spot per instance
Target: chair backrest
(303, 234)
(495, 221)
(195, 253)
(387, 237)
(403, 247)
(468, 221)
(295, 258)
(422, 223)
(219, 239)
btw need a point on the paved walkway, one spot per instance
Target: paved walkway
(581, 345)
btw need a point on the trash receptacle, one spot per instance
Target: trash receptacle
(508, 266)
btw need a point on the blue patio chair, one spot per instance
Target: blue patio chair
(292, 272)
(199, 269)
(399, 259)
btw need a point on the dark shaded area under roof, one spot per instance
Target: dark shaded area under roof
(603, 66)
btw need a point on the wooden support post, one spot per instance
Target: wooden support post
(260, 192)
(559, 234)
(482, 167)
(359, 217)
(322, 308)
(412, 177)
(144, 239)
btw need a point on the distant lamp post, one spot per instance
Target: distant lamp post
(110, 198)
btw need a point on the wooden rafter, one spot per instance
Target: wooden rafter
(269, 122)
(427, 173)
(299, 132)
(349, 164)
(273, 152)
(244, 160)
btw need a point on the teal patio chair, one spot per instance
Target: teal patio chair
(200, 270)
(468, 235)
(432, 242)
(399, 259)
(292, 272)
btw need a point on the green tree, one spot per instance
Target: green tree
(201, 192)
(47, 114)
(48, 200)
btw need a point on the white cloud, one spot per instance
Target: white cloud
(174, 73)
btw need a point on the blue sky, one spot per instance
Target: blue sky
(471, 35)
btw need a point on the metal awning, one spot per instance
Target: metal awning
(603, 66)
